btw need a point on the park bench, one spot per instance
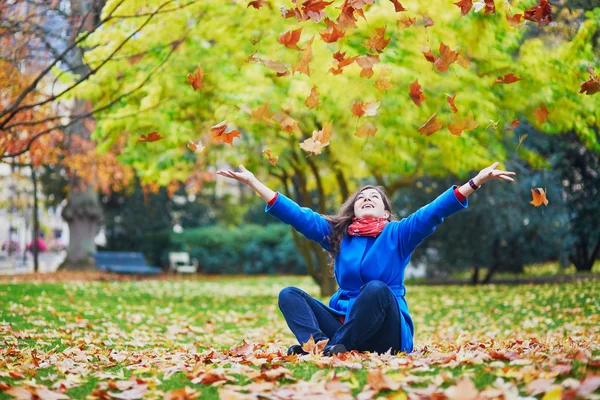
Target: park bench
(124, 263)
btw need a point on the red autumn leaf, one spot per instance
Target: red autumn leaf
(290, 39)
(369, 109)
(514, 20)
(219, 134)
(446, 58)
(313, 9)
(151, 137)
(377, 42)
(196, 79)
(462, 124)
(539, 197)
(332, 33)
(407, 21)
(416, 93)
(367, 129)
(397, 6)
(450, 101)
(490, 7)
(256, 4)
(366, 63)
(341, 62)
(513, 125)
(465, 6)
(429, 56)
(313, 98)
(508, 78)
(431, 126)
(592, 85)
(541, 114)
(542, 13)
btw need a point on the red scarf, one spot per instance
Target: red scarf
(367, 226)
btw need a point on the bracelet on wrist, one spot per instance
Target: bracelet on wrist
(473, 185)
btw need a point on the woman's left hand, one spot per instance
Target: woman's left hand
(489, 173)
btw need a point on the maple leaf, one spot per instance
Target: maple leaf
(514, 20)
(383, 80)
(196, 147)
(359, 4)
(303, 64)
(366, 63)
(366, 130)
(151, 137)
(406, 21)
(245, 349)
(539, 197)
(513, 125)
(378, 42)
(450, 101)
(196, 79)
(508, 78)
(369, 109)
(427, 21)
(219, 134)
(490, 7)
(332, 33)
(314, 348)
(377, 381)
(462, 124)
(313, 9)
(276, 66)
(416, 93)
(465, 6)
(542, 13)
(261, 114)
(431, 126)
(271, 159)
(252, 58)
(397, 6)
(290, 39)
(184, 393)
(341, 62)
(313, 98)
(592, 85)
(541, 114)
(256, 3)
(286, 122)
(463, 61)
(446, 58)
(318, 140)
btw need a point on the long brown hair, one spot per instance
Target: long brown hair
(343, 218)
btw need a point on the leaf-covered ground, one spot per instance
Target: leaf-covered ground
(182, 339)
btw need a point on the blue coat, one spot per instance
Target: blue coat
(363, 258)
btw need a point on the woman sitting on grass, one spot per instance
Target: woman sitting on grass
(370, 249)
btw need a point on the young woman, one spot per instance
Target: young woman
(370, 249)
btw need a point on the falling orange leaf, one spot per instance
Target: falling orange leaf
(431, 126)
(303, 64)
(261, 114)
(314, 348)
(276, 66)
(378, 42)
(341, 62)
(542, 13)
(151, 137)
(219, 134)
(256, 4)
(196, 79)
(406, 21)
(416, 93)
(514, 20)
(318, 140)
(286, 122)
(397, 6)
(447, 57)
(450, 101)
(427, 21)
(383, 80)
(465, 6)
(369, 109)
(332, 33)
(196, 147)
(290, 39)
(366, 63)
(541, 114)
(490, 7)
(508, 78)
(513, 124)
(462, 124)
(313, 98)
(272, 159)
(367, 129)
(539, 197)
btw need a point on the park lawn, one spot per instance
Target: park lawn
(226, 336)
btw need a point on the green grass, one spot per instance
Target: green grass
(70, 329)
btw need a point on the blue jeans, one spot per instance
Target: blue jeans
(373, 323)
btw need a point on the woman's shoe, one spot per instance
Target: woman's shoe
(334, 349)
(296, 349)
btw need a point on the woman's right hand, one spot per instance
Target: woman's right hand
(244, 175)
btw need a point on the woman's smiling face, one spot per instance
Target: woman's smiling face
(370, 204)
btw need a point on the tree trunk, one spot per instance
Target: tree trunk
(83, 211)
(475, 276)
